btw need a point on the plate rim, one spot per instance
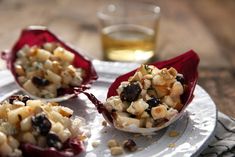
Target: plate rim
(208, 139)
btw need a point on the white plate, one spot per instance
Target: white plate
(195, 127)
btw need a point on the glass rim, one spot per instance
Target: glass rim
(104, 12)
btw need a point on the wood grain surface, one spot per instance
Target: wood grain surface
(207, 26)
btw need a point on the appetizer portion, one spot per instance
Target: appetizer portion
(150, 97)
(46, 67)
(29, 126)
(147, 99)
(45, 70)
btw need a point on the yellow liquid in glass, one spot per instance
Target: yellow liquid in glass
(128, 43)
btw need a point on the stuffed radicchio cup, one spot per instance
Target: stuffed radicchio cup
(35, 128)
(152, 96)
(46, 67)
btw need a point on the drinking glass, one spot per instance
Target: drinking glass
(129, 31)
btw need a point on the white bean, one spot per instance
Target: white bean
(169, 101)
(30, 87)
(177, 89)
(116, 150)
(159, 112)
(57, 127)
(158, 80)
(64, 54)
(64, 135)
(147, 84)
(112, 143)
(18, 114)
(137, 107)
(3, 138)
(43, 55)
(26, 124)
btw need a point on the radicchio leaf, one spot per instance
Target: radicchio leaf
(36, 35)
(70, 148)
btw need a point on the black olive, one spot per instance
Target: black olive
(152, 103)
(180, 78)
(19, 117)
(25, 98)
(38, 81)
(133, 116)
(130, 145)
(53, 141)
(60, 91)
(131, 92)
(13, 97)
(41, 124)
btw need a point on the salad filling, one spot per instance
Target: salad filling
(46, 70)
(44, 125)
(149, 98)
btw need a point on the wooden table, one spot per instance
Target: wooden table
(205, 26)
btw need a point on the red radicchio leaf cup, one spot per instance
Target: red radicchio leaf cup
(38, 35)
(185, 64)
(70, 148)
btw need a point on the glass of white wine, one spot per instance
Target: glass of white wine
(129, 31)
